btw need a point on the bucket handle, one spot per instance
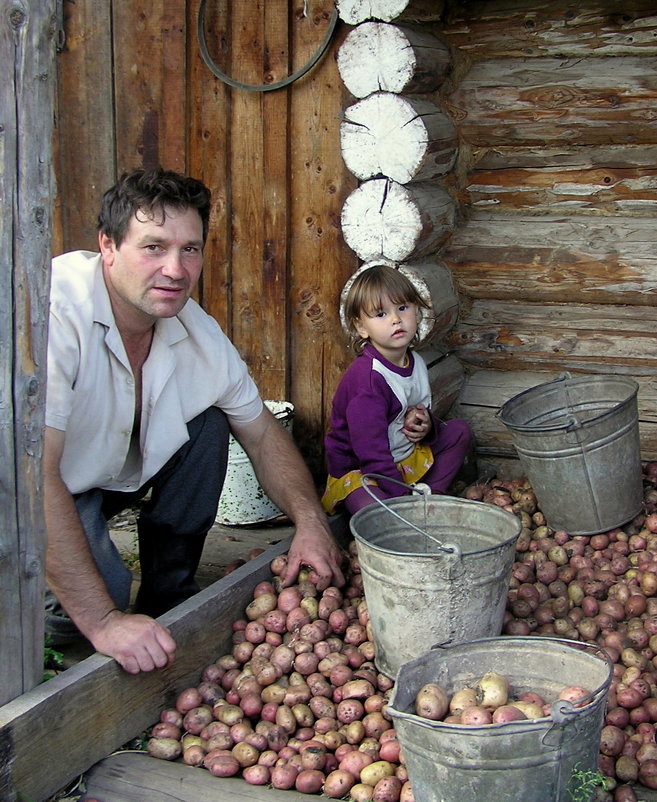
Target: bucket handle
(450, 548)
(561, 710)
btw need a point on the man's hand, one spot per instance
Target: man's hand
(320, 552)
(137, 642)
(417, 423)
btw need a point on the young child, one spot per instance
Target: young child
(381, 421)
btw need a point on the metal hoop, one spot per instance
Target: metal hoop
(214, 69)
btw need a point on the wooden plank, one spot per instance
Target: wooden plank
(260, 192)
(85, 122)
(137, 777)
(26, 187)
(97, 707)
(555, 258)
(575, 101)
(522, 28)
(320, 262)
(209, 110)
(149, 84)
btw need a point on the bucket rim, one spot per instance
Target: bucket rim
(536, 389)
(563, 710)
(439, 501)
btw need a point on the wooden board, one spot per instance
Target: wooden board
(57, 731)
(137, 777)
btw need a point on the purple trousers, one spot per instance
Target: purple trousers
(449, 444)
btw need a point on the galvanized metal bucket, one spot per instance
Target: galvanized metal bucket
(243, 501)
(578, 442)
(534, 760)
(435, 570)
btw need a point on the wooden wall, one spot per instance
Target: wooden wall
(133, 91)
(555, 255)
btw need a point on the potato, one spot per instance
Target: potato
(338, 783)
(387, 790)
(431, 702)
(188, 699)
(357, 689)
(245, 754)
(309, 781)
(370, 775)
(349, 710)
(164, 748)
(261, 605)
(530, 709)
(361, 792)
(465, 697)
(493, 690)
(164, 729)
(196, 719)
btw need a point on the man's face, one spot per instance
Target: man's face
(154, 270)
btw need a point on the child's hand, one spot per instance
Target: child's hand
(417, 423)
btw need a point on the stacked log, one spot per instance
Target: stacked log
(401, 146)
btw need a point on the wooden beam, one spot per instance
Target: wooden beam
(27, 49)
(556, 258)
(58, 730)
(534, 28)
(592, 101)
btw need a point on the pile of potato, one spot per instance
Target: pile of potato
(299, 704)
(489, 701)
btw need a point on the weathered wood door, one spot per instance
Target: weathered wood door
(134, 91)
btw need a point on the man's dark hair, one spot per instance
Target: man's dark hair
(149, 192)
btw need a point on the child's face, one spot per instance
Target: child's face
(390, 328)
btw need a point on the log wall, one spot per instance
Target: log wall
(554, 254)
(133, 91)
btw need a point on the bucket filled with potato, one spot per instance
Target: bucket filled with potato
(435, 570)
(481, 718)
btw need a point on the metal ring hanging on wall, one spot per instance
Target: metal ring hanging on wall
(214, 69)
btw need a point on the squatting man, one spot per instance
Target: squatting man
(143, 390)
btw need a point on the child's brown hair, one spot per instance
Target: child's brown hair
(367, 292)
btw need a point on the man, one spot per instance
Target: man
(143, 388)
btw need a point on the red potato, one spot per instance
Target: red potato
(476, 716)
(171, 716)
(349, 710)
(193, 755)
(296, 618)
(283, 777)
(506, 713)
(223, 766)
(188, 699)
(257, 774)
(354, 761)
(309, 781)
(338, 784)
(197, 718)
(164, 729)
(388, 789)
